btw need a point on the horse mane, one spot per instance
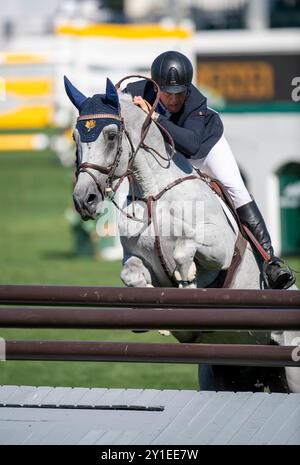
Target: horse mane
(123, 97)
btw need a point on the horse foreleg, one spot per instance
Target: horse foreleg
(136, 274)
(185, 272)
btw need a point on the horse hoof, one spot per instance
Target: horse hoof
(192, 272)
(177, 275)
(164, 332)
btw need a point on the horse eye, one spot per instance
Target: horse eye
(111, 135)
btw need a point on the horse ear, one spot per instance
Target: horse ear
(76, 97)
(112, 94)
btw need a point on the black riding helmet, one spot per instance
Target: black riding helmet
(172, 71)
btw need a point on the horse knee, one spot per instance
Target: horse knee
(184, 255)
(135, 274)
(185, 272)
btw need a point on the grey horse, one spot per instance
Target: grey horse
(197, 233)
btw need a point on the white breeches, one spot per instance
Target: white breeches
(221, 164)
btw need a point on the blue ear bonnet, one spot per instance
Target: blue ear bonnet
(108, 103)
(90, 129)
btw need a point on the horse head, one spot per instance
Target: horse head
(101, 154)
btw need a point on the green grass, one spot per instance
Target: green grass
(36, 247)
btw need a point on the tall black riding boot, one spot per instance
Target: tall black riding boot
(278, 273)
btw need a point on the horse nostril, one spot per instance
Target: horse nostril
(77, 204)
(91, 198)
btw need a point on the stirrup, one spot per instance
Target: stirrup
(278, 284)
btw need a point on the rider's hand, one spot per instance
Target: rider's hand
(145, 106)
(140, 102)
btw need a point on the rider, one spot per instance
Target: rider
(197, 131)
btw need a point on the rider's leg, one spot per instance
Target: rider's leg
(221, 164)
(279, 275)
(206, 378)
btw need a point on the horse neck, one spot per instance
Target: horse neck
(150, 175)
(153, 171)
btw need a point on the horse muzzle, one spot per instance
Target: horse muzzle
(86, 203)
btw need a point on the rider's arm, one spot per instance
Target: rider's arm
(188, 138)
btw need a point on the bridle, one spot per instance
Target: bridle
(109, 191)
(109, 170)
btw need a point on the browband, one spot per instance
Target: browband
(100, 116)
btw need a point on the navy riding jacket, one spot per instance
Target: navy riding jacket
(195, 129)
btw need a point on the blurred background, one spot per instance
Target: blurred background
(246, 56)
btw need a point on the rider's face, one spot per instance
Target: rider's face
(173, 102)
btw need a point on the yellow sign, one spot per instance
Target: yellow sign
(125, 31)
(237, 80)
(22, 142)
(29, 116)
(12, 58)
(29, 102)
(27, 90)
(29, 86)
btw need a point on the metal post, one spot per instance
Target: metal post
(217, 354)
(213, 318)
(258, 14)
(147, 297)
